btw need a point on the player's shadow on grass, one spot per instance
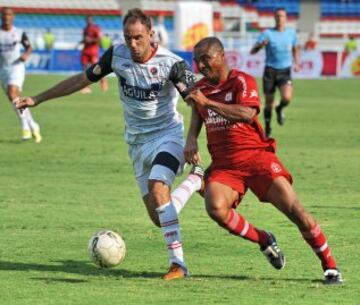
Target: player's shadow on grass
(49, 280)
(14, 141)
(87, 269)
(333, 207)
(76, 267)
(255, 278)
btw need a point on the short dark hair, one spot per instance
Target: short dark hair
(281, 8)
(210, 41)
(137, 14)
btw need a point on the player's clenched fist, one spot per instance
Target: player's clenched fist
(198, 97)
(24, 102)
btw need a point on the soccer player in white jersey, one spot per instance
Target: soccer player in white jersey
(150, 78)
(12, 69)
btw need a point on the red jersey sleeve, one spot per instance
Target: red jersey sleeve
(97, 33)
(247, 92)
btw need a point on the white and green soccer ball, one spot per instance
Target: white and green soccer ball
(106, 249)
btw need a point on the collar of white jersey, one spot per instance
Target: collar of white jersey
(154, 49)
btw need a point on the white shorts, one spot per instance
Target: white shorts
(12, 76)
(143, 155)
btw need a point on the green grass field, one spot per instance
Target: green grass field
(55, 195)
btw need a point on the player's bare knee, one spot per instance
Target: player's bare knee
(158, 193)
(298, 215)
(304, 220)
(269, 101)
(217, 211)
(291, 207)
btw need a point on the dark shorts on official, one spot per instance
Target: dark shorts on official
(273, 78)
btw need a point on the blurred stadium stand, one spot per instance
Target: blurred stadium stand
(338, 8)
(238, 22)
(267, 6)
(339, 19)
(65, 18)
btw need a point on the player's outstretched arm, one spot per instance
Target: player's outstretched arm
(65, 87)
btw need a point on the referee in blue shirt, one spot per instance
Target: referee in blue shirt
(282, 51)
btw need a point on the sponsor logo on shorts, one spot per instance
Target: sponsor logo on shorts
(228, 97)
(275, 167)
(253, 93)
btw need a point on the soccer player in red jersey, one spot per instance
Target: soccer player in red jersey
(91, 49)
(227, 103)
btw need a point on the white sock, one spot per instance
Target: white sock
(170, 227)
(24, 123)
(184, 191)
(33, 125)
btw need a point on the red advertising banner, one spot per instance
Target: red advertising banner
(313, 64)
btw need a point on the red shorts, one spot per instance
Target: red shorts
(256, 173)
(89, 58)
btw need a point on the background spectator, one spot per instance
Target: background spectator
(49, 39)
(351, 44)
(105, 42)
(310, 43)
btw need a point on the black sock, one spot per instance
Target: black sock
(267, 115)
(282, 104)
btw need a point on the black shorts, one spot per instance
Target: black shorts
(273, 78)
